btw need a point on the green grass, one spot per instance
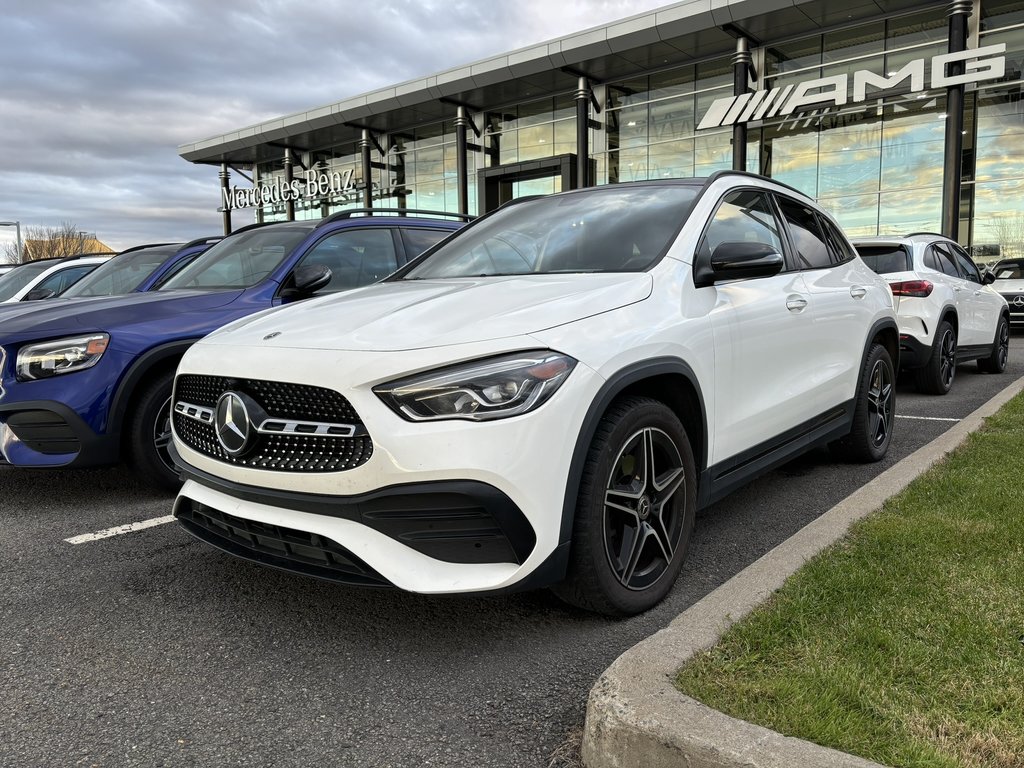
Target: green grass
(904, 642)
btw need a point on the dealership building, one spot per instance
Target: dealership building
(896, 116)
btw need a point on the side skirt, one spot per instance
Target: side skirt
(973, 352)
(723, 478)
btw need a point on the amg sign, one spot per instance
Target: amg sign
(979, 64)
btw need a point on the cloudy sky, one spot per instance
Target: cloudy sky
(97, 95)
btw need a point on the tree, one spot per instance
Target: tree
(54, 242)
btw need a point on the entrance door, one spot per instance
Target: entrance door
(501, 183)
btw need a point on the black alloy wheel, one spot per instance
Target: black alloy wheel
(635, 510)
(881, 402)
(874, 410)
(936, 376)
(641, 524)
(1000, 356)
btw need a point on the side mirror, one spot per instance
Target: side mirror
(735, 261)
(988, 277)
(39, 293)
(308, 279)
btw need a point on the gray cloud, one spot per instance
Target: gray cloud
(98, 95)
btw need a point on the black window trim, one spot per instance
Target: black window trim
(798, 267)
(768, 194)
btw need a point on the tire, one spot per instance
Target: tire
(149, 435)
(632, 527)
(874, 410)
(996, 362)
(936, 376)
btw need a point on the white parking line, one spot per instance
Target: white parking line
(106, 534)
(924, 418)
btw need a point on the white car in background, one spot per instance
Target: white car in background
(1009, 281)
(948, 312)
(44, 278)
(544, 398)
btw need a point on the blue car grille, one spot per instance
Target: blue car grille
(293, 452)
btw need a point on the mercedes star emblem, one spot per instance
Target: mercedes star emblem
(1018, 301)
(232, 423)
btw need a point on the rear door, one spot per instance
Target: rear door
(839, 285)
(985, 305)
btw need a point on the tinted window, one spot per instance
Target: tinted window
(885, 259)
(240, 260)
(21, 276)
(967, 267)
(945, 259)
(744, 216)
(60, 281)
(604, 229)
(418, 240)
(355, 257)
(808, 241)
(841, 249)
(1009, 270)
(931, 260)
(178, 266)
(122, 274)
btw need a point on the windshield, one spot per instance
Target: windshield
(1009, 270)
(605, 229)
(239, 261)
(884, 259)
(122, 274)
(21, 276)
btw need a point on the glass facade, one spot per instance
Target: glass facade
(877, 166)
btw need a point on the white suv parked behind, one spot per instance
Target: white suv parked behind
(545, 397)
(948, 313)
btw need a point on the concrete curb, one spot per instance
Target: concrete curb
(635, 715)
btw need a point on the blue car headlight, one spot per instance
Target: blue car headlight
(52, 358)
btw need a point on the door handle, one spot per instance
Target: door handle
(795, 303)
(858, 292)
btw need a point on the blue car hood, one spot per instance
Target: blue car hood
(54, 317)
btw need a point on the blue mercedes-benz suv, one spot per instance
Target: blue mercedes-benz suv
(87, 382)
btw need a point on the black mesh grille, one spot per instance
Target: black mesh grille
(283, 453)
(276, 545)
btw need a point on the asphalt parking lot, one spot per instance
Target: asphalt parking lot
(151, 649)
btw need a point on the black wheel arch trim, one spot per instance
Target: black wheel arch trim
(138, 371)
(611, 389)
(894, 353)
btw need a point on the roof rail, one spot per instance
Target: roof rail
(74, 256)
(936, 234)
(728, 172)
(144, 245)
(257, 225)
(403, 211)
(202, 241)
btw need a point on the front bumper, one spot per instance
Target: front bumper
(47, 433)
(438, 507)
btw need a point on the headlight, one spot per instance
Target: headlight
(485, 389)
(51, 358)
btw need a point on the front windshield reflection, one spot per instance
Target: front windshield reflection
(122, 274)
(606, 229)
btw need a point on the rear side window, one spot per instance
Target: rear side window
(842, 251)
(808, 240)
(944, 259)
(967, 267)
(886, 259)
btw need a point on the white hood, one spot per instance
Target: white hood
(415, 314)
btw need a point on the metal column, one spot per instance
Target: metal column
(289, 176)
(582, 134)
(461, 165)
(364, 148)
(959, 11)
(741, 64)
(225, 186)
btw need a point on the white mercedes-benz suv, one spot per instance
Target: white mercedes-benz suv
(544, 398)
(948, 310)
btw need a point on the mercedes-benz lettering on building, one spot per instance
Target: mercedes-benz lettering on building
(896, 120)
